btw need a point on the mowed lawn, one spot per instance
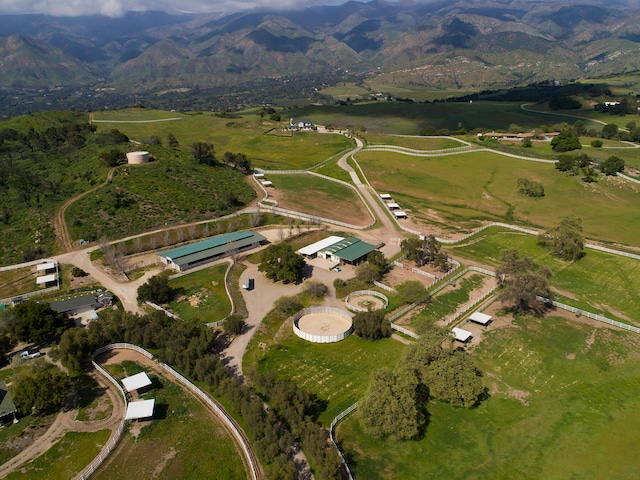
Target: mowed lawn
(563, 404)
(184, 441)
(468, 187)
(412, 141)
(608, 283)
(201, 295)
(338, 373)
(257, 138)
(320, 197)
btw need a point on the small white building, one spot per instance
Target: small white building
(399, 214)
(481, 318)
(393, 206)
(461, 335)
(137, 158)
(385, 196)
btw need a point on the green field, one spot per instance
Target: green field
(414, 142)
(66, 458)
(338, 373)
(610, 283)
(320, 197)
(463, 189)
(14, 282)
(257, 138)
(184, 441)
(409, 119)
(563, 403)
(201, 295)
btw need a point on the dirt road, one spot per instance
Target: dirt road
(66, 422)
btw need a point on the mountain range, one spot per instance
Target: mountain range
(481, 43)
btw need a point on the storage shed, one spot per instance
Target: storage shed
(481, 318)
(461, 335)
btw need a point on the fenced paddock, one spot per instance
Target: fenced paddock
(366, 300)
(322, 324)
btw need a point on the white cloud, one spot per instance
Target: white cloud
(117, 8)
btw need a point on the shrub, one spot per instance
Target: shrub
(233, 325)
(596, 143)
(316, 289)
(371, 325)
(530, 188)
(288, 305)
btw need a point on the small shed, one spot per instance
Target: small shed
(136, 382)
(267, 183)
(481, 318)
(44, 279)
(44, 267)
(258, 175)
(393, 206)
(399, 214)
(385, 196)
(461, 335)
(140, 410)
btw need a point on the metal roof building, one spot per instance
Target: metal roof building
(74, 305)
(314, 248)
(199, 253)
(349, 250)
(7, 407)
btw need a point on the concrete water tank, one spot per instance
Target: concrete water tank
(136, 158)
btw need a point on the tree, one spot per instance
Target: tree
(565, 142)
(172, 141)
(522, 282)
(113, 157)
(610, 130)
(371, 325)
(565, 240)
(366, 273)
(281, 262)
(233, 325)
(530, 188)
(74, 348)
(612, 165)
(156, 290)
(596, 143)
(393, 406)
(412, 291)
(39, 388)
(526, 142)
(378, 262)
(564, 103)
(316, 289)
(36, 322)
(424, 251)
(203, 152)
(449, 374)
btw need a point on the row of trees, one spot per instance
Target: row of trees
(425, 251)
(189, 347)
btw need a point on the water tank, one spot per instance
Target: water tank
(136, 158)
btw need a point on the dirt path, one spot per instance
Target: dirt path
(60, 225)
(66, 422)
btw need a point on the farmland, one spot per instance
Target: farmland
(562, 405)
(467, 188)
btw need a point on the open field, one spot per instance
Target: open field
(66, 458)
(466, 188)
(409, 119)
(608, 282)
(201, 295)
(414, 142)
(14, 282)
(320, 197)
(338, 373)
(184, 441)
(257, 138)
(563, 405)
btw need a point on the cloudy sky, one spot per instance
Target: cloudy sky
(116, 8)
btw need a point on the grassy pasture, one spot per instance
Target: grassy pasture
(14, 282)
(417, 143)
(320, 197)
(201, 295)
(465, 188)
(609, 283)
(259, 139)
(184, 441)
(337, 373)
(66, 458)
(563, 404)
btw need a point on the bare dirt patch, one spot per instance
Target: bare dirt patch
(366, 302)
(324, 324)
(499, 386)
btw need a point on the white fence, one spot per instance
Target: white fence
(334, 422)
(27, 264)
(321, 338)
(373, 293)
(383, 286)
(160, 309)
(229, 422)
(593, 316)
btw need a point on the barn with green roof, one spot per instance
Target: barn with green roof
(206, 251)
